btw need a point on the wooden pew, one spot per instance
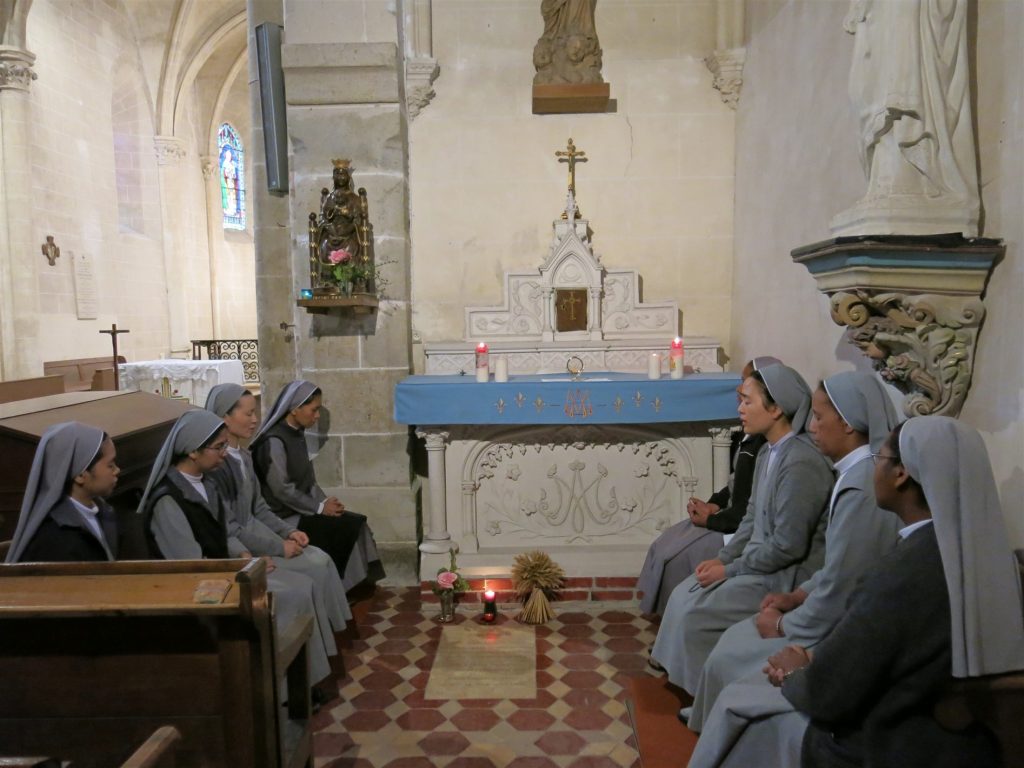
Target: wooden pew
(95, 656)
(157, 751)
(26, 389)
(78, 373)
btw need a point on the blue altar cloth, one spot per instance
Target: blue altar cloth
(598, 398)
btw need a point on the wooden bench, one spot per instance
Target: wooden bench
(95, 656)
(80, 374)
(26, 389)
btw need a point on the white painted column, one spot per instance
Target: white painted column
(170, 156)
(214, 236)
(721, 440)
(437, 540)
(19, 289)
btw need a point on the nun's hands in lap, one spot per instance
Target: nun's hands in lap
(767, 622)
(333, 507)
(292, 548)
(710, 571)
(783, 602)
(784, 663)
(299, 538)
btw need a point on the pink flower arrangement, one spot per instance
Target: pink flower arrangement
(447, 579)
(340, 256)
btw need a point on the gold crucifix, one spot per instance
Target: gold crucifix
(572, 301)
(571, 156)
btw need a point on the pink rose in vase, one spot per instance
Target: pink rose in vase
(340, 256)
(447, 579)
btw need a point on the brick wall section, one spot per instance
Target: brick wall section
(576, 589)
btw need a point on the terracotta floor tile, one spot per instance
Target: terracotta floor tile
(579, 645)
(585, 697)
(436, 744)
(532, 762)
(581, 661)
(626, 645)
(381, 681)
(582, 679)
(560, 743)
(531, 720)
(373, 700)
(471, 762)
(420, 720)
(587, 720)
(366, 721)
(475, 720)
(330, 743)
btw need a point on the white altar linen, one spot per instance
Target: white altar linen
(190, 379)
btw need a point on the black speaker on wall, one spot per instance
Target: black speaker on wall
(275, 125)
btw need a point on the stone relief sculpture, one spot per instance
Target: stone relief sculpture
(910, 87)
(568, 51)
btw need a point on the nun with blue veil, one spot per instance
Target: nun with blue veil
(185, 518)
(780, 542)
(289, 486)
(64, 516)
(852, 416)
(944, 604)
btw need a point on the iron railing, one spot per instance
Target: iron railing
(246, 350)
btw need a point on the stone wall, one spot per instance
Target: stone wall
(797, 166)
(485, 185)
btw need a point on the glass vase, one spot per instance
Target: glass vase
(447, 598)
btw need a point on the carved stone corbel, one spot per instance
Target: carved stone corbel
(912, 305)
(923, 344)
(170, 150)
(727, 69)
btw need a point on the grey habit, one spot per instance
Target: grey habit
(251, 521)
(779, 544)
(948, 459)
(293, 592)
(679, 549)
(295, 395)
(859, 533)
(64, 452)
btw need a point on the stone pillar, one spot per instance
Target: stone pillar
(275, 302)
(19, 256)
(211, 183)
(343, 101)
(170, 156)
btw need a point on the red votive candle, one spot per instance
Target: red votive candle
(483, 362)
(490, 609)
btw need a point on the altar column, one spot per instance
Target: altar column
(19, 293)
(437, 540)
(721, 442)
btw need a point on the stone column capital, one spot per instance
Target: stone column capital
(209, 165)
(16, 68)
(170, 150)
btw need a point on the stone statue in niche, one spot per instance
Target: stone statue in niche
(568, 51)
(910, 88)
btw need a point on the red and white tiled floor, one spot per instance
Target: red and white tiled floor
(585, 657)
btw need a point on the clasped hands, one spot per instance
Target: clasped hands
(699, 511)
(769, 620)
(709, 571)
(295, 543)
(784, 663)
(332, 507)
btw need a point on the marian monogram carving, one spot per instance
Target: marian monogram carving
(578, 492)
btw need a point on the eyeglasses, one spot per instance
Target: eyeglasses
(883, 457)
(218, 447)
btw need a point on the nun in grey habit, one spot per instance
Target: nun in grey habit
(681, 547)
(779, 544)
(184, 518)
(53, 526)
(251, 521)
(945, 603)
(858, 535)
(289, 486)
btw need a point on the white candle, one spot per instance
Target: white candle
(501, 368)
(482, 362)
(675, 358)
(654, 366)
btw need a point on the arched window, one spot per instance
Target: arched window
(232, 177)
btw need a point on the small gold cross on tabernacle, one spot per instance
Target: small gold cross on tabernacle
(571, 156)
(572, 301)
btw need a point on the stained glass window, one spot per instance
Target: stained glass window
(232, 177)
